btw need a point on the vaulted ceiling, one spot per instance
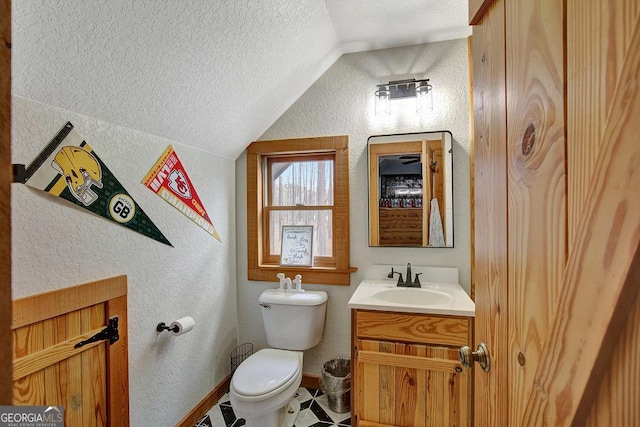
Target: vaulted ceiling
(211, 74)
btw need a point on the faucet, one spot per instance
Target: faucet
(408, 283)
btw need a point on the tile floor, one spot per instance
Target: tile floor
(314, 411)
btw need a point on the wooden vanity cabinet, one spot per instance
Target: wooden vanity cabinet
(406, 370)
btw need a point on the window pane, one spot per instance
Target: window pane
(322, 229)
(301, 183)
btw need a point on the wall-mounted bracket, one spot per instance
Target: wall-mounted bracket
(163, 327)
(21, 173)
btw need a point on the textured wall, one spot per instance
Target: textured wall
(56, 245)
(341, 102)
(209, 74)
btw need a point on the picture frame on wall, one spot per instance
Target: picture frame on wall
(297, 246)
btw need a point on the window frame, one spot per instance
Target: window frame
(260, 267)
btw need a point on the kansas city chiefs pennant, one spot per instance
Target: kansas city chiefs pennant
(69, 168)
(168, 179)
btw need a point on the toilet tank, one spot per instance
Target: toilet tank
(293, 321)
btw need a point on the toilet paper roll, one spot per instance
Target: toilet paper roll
(183, 325)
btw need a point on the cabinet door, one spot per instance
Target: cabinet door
(400, 384)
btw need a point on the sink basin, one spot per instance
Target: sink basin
(413, 296)
(445, 298)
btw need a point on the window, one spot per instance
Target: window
(299, 191)
(299, 182)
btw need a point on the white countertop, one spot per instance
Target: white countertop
(432, 298)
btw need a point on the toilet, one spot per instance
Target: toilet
(263, 386)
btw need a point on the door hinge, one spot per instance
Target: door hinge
(109, 333)
(355, 353)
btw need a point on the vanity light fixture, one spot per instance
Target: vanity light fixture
(400, 89)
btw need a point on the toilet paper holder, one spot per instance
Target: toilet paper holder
(163, 327)
(177, 327)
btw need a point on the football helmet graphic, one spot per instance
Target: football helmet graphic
(81, 170)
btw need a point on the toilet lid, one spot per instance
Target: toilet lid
(265, 371)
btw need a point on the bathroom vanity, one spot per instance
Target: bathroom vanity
(406, 369)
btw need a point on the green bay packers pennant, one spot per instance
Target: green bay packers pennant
(69, 168)
(168, 179)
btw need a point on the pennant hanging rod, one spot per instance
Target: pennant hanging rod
(21, 173)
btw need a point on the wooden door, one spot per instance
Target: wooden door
(536, 185)
(490, 215)
(90, 382)
(5, 201)
(520, 200)
(556, 283)
(435, 170)
(601, 29)
(412, 237)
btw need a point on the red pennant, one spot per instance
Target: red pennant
(168, 179)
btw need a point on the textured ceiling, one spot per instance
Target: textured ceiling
(376, 24)
(211, 74)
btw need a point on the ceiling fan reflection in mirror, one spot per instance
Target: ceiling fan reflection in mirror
(410, 158)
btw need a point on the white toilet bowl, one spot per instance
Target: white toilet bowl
(264, 385)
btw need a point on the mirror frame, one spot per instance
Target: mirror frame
(411, 143)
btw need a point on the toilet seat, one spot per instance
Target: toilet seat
(266, 373)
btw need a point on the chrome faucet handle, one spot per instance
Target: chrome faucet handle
(390, 275)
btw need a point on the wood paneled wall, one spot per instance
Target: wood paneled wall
(5, 202)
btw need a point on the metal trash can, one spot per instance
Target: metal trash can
(335, 382)
(239, 354)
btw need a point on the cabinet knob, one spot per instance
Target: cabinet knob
(468, 357)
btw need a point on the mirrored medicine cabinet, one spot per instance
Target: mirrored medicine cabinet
(411, 190)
